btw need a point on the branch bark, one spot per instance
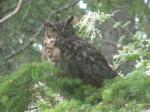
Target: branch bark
(12, 13)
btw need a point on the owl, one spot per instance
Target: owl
(75, 56)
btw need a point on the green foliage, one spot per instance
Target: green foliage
(17, 89)
(136, 51)
(87, 25)
(126, 89)
(39, 83)
(121, 94)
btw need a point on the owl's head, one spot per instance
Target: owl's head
(62, 29)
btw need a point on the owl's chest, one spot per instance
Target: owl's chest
(52, 51)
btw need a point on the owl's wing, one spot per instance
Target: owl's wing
(86, 61)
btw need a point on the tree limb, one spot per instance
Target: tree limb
(12, 13)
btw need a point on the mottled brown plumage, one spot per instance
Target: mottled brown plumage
(76, 56)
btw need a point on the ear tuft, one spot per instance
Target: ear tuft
(70, 20)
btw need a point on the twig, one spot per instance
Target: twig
(12, 13)
(31, 41)
(24, 15)
(122, 27)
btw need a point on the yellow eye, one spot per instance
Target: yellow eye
(49, 33)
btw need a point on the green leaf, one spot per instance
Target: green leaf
(117, 24)
(126, 24)
(132, 57)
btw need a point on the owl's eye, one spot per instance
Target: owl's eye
(51, 31)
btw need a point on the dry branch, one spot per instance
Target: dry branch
(12, 13)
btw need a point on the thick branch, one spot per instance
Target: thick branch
(12, 13)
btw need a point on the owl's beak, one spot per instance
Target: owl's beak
(48, 24)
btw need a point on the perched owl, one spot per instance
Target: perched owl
(76, 56)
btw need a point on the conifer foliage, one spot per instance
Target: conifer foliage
(37, 85)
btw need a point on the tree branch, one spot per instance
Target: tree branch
(19, 50)
(12, 13)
